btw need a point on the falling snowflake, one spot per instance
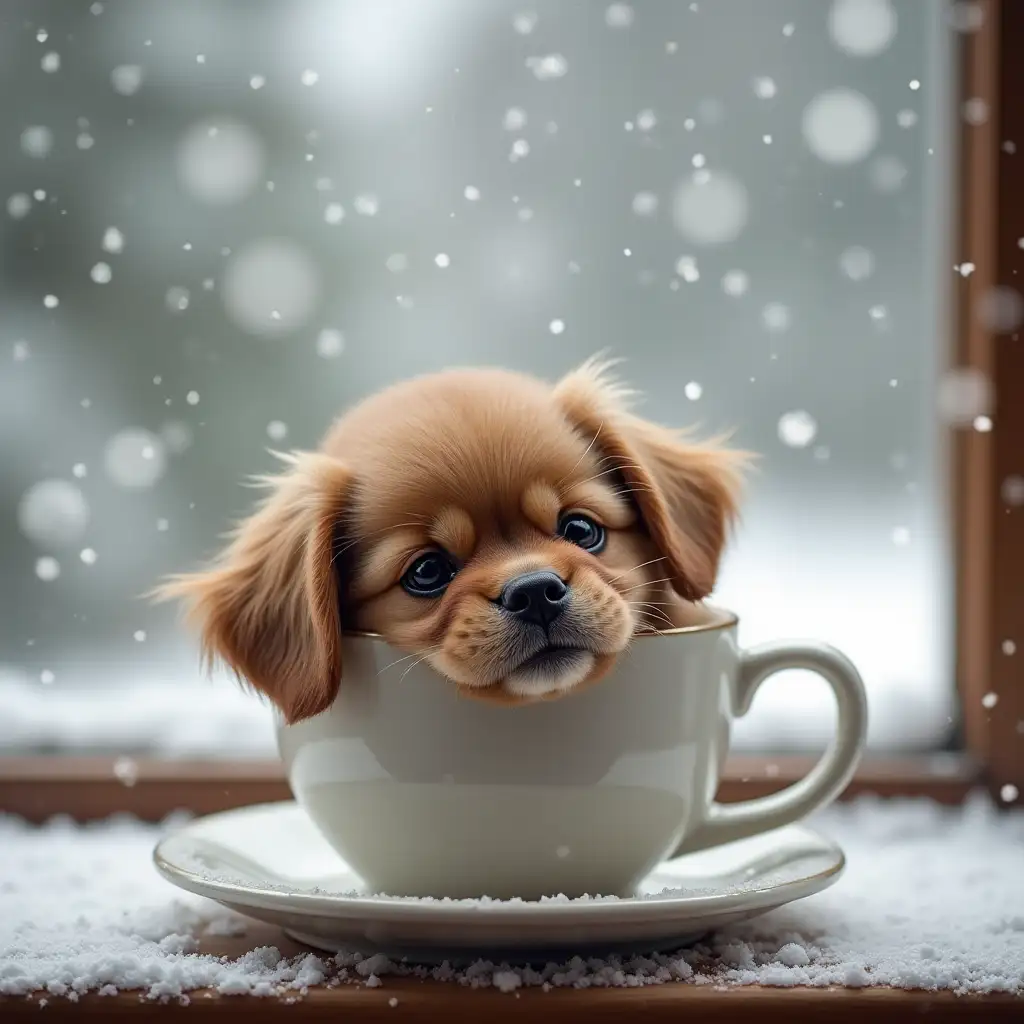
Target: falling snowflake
(514, 119)
(797, 429)
(367, 205)
(735, 283)
(101, 273)
(554, 65)
(113, 240)
(556, 326)
(37, 141)
(776, 317)
(126, 79)
(19, 205)
(47, 569)
(619, 16)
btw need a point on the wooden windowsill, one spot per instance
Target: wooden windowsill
(439, 1001)
(87, 788)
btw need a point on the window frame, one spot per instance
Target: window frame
(989, 535)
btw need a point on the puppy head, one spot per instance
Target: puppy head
(513, 535)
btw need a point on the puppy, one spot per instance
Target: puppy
(515, 535)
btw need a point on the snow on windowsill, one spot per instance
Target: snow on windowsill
(932, 899)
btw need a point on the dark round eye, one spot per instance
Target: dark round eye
(582, 531)
(429, 575)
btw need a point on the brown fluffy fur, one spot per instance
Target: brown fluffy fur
(480, 462)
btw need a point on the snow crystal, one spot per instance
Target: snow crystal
(693, 391)
(514, 119)
(177, 299)
(906, 118)
(619, 16)
(554, 65)
(964, 393)
(443, 260)
(88, 556)
(19, 205)
(220, 161)
(982, 424)
(966, 16)
(271, 286)
(37, 141)
(776, 317)
(126, 79)
(990, 700)
(710, 208)
(525, 22)
(310, 77)
(46, 677)
(53, 513)
(101, 273)
(366, 205)
(975, 111)
(840, 126)
(797, 429)
(334, 213)
(472, 193)
(1009, 648)
(887, 174)
(857, 263)
(930, 901)
(686, 268)
(113, 240)
(50, 62)
(1001, 309)
(862, 28)
(277, 430)
(556, 326)
(330, 343)
(47, 568)
(735, 282)
(51, 301)
(645, 204)
(134, 458)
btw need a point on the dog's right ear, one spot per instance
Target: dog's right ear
(686, 491)
(268, 607)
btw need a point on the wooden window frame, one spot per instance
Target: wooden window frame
(989, 535)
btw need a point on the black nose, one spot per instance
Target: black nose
(537, 597)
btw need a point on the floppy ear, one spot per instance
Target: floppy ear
(268, 607)
(686, 491)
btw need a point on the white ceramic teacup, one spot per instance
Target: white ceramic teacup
(428, 793)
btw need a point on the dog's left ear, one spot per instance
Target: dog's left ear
(687, 492)
(268, 607)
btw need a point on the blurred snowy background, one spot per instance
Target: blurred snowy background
(223, 220)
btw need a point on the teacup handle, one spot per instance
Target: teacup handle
(723, 823)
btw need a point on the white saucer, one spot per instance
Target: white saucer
(271, 863)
